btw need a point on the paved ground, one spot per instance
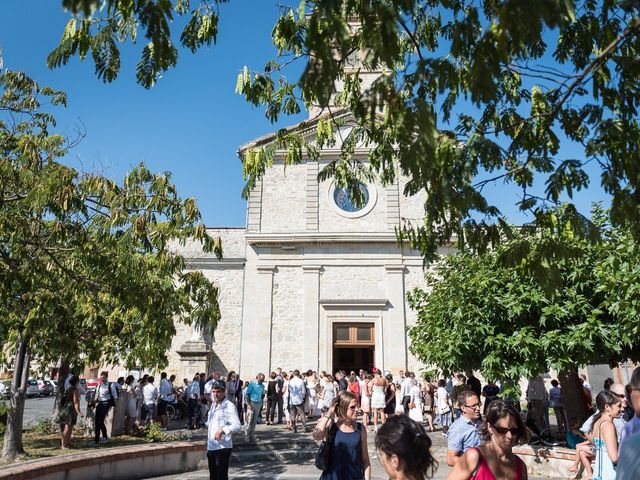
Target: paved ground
(296, 468)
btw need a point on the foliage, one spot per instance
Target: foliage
(3, 416)
(86, 268)
(153, 433)
(45, 426)
(517, 84)
(97, 27)
(497, 314)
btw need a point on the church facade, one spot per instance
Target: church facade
(312, 281)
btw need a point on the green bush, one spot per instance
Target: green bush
(3, 417)
(153, 433)
(45, 426)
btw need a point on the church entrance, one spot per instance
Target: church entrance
(353, 346)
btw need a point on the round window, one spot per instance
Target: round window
(342, 198)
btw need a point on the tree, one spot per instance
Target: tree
(499, 314)
(516, 84)
(86, 266)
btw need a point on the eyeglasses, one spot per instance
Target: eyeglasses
(503, 430)
(474, 406)
(353, 407)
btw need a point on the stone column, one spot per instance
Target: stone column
(255, 351)
(395, 329)
(311, 274)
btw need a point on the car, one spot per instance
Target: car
(45, 387)
(91, 386)
(5, 388)
(32, 389)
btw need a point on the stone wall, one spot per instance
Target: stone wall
(288, 317)
(283, 199)
(353, 282)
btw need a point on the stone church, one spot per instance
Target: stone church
(312, 281)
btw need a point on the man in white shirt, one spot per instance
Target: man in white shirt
(105, 397)
(405, 391)
(166, 397)
(297, 393)
(193, 393)
(150, 397)
(215, 376)
(222, 422)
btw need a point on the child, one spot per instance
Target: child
(574, 435)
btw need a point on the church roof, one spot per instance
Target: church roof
(304, 126)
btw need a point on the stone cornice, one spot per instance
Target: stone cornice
(211, 263)
(373, 303)
(314, 238)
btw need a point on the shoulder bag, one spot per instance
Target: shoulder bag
(323, 455)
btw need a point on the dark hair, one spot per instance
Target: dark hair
(150, 379)
(497, 410)
(465, 395)
(407, 439)
(441, 382)
(605, 397)
(163, 375)
(129, 380)
(229, 375)
(296, 372)
(607, 383)
(272, 375)
(554, 382)
(73, 380)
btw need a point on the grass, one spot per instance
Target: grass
(40, 445)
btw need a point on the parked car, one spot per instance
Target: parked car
(91, 386)
(45, 387)
(32, 389)
(5, 388)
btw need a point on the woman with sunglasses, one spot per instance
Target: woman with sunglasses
(349, 459)
(501, 429)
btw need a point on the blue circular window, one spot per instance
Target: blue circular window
(342, 199)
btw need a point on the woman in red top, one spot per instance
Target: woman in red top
(354, 387)
(501, 429)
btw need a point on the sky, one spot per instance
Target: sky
(191, 123)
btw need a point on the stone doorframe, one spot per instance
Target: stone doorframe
(350, 311)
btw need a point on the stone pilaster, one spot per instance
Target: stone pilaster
(256, 329)
(393, 205)
(254, 208)
(311, 316)
(395, 330)
(311, 197)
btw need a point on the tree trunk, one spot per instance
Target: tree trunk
(13, 433)
(63, 372)
(572, 391)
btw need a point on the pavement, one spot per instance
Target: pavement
(283, 455)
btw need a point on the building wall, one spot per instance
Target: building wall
(283, 199)
(288, 318)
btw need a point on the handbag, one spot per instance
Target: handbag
(446, 409)
(323, 455)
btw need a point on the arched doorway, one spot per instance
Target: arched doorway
(353, 346)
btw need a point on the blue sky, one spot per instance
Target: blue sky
(191, 123)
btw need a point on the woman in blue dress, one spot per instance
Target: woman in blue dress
(605, 437)
(349, 459)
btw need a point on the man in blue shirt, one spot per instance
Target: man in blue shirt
(463, 434)
(255, 393)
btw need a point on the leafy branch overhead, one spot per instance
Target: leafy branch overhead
(98, 26)
(471, 96)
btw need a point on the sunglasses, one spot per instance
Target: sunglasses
(353, 407)
(503, 430)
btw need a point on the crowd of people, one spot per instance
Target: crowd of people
(481, 425)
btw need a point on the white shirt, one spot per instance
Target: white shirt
(150, 394)
(166, 390)
(223, 415)
(406, 387)
(193, 390)
(297, 391)
(102, 392)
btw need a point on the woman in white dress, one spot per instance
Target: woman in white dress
(443, 410)
(378, 386)
(131, 411)
(285, 399)
(311, 403)
(416, 405)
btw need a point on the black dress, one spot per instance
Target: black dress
(390, 399)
